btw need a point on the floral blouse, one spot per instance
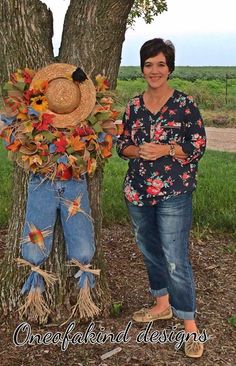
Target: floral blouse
(147, 182)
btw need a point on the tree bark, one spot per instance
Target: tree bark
(93, 35)
(25, 40)
(25, 35)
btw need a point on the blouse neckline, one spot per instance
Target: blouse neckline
(163, 106)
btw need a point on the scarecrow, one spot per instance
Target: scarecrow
(57, 126)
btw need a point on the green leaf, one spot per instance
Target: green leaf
(102, 116)
(80, 160)
(8, 86)
(146, 9)
(20, 85)
(232, 320)
(70, 150)
(92, 119)
(48, 135)
(97, 127)
(116, 308)
(55, 157)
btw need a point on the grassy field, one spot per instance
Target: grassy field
(209, 94)
(206, 84)
(214, 200)
(190, 73)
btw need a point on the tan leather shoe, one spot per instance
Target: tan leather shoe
(193, 348)
(144, 315)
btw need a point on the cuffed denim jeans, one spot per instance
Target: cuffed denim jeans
(162, 234)
(45, 199)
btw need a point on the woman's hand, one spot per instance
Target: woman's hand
(152, 151)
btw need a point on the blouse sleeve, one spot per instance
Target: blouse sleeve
(124, 139)
(195, 136)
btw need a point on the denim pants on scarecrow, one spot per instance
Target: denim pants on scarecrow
(162, 235)
(45, 199)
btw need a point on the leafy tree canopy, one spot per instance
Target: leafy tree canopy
(146, 9)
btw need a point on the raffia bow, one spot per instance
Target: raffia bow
(48, 277)
(83, 268)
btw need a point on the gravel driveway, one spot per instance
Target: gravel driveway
(223, 139)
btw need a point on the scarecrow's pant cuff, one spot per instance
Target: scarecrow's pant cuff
(33, 282)
(82, 276)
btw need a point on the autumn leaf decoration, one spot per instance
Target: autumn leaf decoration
(74, 207)
(36, 236)
(39, 147)
(102, 83)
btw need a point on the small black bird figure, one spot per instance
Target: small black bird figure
(79, 75)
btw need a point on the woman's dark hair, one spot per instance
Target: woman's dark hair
(153, 47)
(79, 75)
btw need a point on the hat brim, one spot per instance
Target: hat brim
(87, 91)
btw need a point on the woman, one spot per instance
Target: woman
(163, 139)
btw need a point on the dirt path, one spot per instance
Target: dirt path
(223, 139)
(212, 259)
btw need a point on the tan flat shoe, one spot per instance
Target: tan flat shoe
(193, 348)
(144, 315)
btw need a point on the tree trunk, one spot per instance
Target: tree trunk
(25, 35)
(25, 41)
(89, 37)
(93, 35)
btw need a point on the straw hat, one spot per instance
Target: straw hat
(70, 102)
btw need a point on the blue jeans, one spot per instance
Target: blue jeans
(162, 234)
(45, 199)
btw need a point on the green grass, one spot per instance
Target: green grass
(5, 186)
(209, 94)
(214, 202)
(214, 199)
(232, 320)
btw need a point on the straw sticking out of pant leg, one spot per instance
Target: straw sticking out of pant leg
(85, 304)
(35, 306)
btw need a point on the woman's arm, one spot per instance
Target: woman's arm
(132, 152)
(195, 135)
(125, 147)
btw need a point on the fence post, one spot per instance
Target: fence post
(226, 88)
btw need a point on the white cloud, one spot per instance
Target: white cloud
(190, 16)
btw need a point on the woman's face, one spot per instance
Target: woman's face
(156, 71)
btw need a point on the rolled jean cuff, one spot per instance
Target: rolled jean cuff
(157, 293)
(184, 315)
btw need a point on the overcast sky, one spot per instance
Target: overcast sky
(203, 31)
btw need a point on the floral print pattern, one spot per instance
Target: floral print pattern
(147, 182)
